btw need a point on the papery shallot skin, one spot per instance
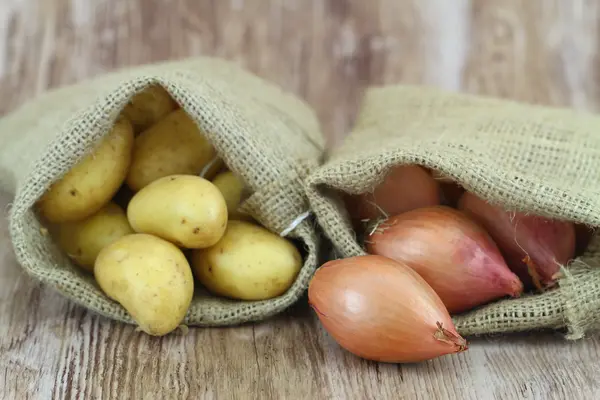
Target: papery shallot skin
(382, 310)
(453, 254)
(534, 247)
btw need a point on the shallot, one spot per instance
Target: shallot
(404, 188)
(452, 253)
(533, 246)
(381, 310)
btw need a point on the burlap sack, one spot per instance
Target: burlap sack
(528, 158)
(271, 139)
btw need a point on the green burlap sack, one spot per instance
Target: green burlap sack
(271, 139)
(527, 158)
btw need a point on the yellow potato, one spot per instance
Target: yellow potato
(210, 170)
(83, 240)
(175, 145)
(248, 263)
(92, 182)
(232, 189)
(184, 209)
(150, 278)
(148, 107)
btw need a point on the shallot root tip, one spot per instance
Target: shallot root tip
(451, 338)
(381, 210)
(379, 226)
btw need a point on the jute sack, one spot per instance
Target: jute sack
(527, 158)
(271, 139)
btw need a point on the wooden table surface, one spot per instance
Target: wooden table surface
(326, 51)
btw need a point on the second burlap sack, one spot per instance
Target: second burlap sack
(527, 158)
(269, 138)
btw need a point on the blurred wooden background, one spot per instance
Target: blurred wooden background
(328, 52)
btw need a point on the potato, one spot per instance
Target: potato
(92, 182)
(248, 263)
(184, 209)
(83, 240)
(210, 170)
(148, 107)
(150, 278)
(175, 145)
(232, 188)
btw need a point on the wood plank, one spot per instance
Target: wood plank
(328, 52)
(534, 51)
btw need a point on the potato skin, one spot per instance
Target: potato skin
(92, 182)
(148, 107)
(248, 263)
(184, 209)
(174, 145)
(212, 168)
(150, 278)
(232, 188)
(83, 240)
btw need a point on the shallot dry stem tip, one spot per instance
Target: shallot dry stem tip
(516, 288)
(444, 335)
(533, 272)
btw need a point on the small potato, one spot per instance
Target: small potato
(210, 170)
(150, 278)
(83, 240)
(175, 145)
(248, 263)
(92, 182)
(231, 188)
(148, 107)
(184, 209)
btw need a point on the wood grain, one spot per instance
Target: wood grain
(328, 52)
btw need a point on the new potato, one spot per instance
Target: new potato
(148, 107)
(174, 145)
(184, 209)
(92, 182)
(150, 278)
(83, 240)
(248, 263)
(232, 188)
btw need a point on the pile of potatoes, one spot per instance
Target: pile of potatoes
(151, 207)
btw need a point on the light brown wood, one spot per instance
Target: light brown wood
(327, 52)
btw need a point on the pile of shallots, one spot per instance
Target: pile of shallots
(435, 250)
